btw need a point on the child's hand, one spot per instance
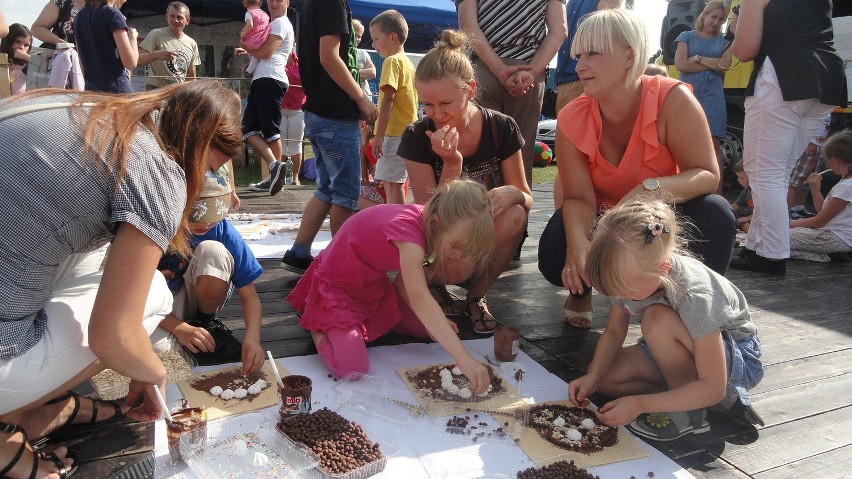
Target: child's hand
(377, 145)
(579, 389)
(815, 181)
(197, 340)
(252, 357)
(619, 412)
(476, 373)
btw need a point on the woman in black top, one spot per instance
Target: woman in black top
(798, 78)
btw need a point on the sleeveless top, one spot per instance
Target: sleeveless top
(798, 37)
(645, 157)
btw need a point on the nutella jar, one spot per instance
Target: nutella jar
(295, 396)
(506, 339)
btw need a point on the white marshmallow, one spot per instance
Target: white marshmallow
(464, 393)
(227, 394)
(259, 459)
(456, 371)
(216, 390)
(254, 389)
(559, 422)
(240, 393)
(239, 448)
(587, 423)
(573, 434)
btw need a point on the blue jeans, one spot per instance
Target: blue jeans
(336, 146)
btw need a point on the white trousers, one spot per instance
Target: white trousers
(63, 351)
(776, 133)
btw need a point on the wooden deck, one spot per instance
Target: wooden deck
(805, 323)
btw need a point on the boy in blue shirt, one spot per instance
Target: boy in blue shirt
(221, 263)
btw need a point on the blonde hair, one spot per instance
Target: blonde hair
(652, 69)
(713, 5)
(458, 201)
(603, 30)
(357, 26)
(738, 167)
(391, 21)
(447, 59)
(620, 250)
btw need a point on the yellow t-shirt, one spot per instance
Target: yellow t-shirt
(398, 72)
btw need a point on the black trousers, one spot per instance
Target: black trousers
(710, 234)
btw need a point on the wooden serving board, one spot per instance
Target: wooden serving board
(218, 408)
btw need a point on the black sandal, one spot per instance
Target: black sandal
(450, 304)
(484, 316)
(78, 428)
(63, 471)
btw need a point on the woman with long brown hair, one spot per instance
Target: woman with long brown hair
(95, 170)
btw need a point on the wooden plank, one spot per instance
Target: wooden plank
(834, 464)
(790, 442)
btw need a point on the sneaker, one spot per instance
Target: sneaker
(262, 186)
(838, 257)
(669, 426)
(757, 263)
(228, 348)
(276, 175)
(295, 264)
(745, 252)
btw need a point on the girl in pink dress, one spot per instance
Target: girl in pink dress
(345, 297)
(255, 30)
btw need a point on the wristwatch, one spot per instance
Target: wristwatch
(651, 184)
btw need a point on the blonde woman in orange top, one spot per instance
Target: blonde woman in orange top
(628, 136)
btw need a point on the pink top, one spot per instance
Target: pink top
(645, 157)
(347, 284)
(259, 30)
(294, 97)
(18, 79)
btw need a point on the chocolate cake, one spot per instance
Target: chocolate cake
(572, 428)
(232, 379)
(432, 379)
(340, 444)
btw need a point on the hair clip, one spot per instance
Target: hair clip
(431, 259)
(654, 228)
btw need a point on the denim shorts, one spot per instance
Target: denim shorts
(742, 359)
(336, 145)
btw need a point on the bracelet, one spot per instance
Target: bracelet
(697, 59)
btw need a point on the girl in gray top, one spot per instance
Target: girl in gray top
(94, 170)
(699, 346)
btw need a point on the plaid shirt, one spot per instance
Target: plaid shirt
(58, 200)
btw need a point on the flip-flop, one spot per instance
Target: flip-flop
(484, 316)
(69, 425)
(578, 319)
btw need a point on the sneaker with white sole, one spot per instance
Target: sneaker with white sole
(276, 178)
(668, 426)
(262, 186)
(295, 264)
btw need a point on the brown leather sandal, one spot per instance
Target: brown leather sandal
(485, 320)
(450, 304)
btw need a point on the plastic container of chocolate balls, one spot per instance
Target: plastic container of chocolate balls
(248, 446)
(342, 447)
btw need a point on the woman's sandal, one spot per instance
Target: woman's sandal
(484, 317)
(78, 428)
(450, 304)
(37, 456)
(577, 319)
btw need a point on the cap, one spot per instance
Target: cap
(214, 201)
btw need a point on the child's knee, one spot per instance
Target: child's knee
(660, 319)
(344, 352)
